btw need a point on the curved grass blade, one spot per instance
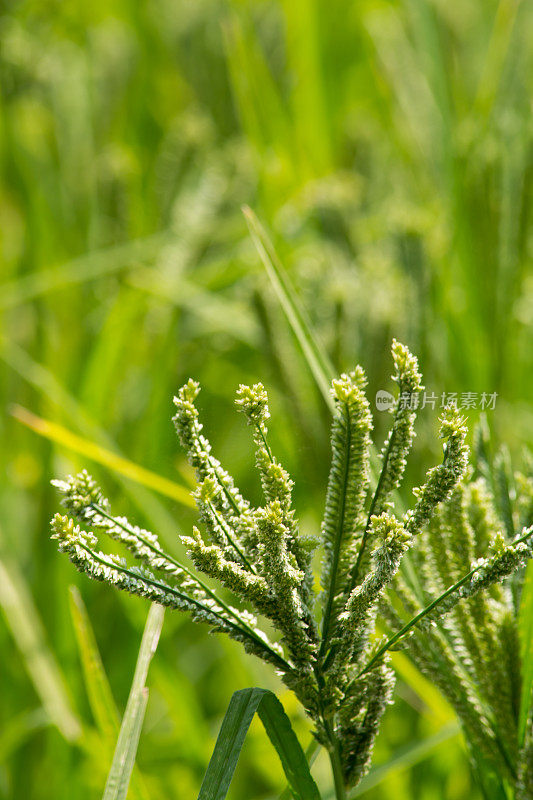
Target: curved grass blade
(128, 739)
(101, 455)
(314, 353)
(243, 705)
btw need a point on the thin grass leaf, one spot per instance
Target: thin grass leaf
(96, 683)
(43, 669)
(98, 689)
(243, 705)
(101, 455)
(313, 351)
(128, 739)
(118, 780)
(311, 753)
(46, 384)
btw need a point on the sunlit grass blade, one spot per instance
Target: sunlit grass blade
(243, 705)
(128, 739)
(101, 455)
(408, 758)
(118, 782)
(26, 628)
(314, 353)
(525, 627)
(43, 380)
(96, 683)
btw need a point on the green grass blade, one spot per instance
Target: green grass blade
(97, 685)
(98, 690)
(118, 780)
(23, 619)
(280, 732)
(47, 385)
(313, 351)
(525, 628)
(128, 739)
(311, 753)
(243, 705)
(101, 455)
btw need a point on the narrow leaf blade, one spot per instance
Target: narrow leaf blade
(313, 351)
(101, 455)
(128, 739)
(292, 757)
(243, 705)
(98, 690)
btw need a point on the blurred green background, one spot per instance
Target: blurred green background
(387, 148)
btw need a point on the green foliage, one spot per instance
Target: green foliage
(341, 676)
(387, 147)
(119, 777)
(244, 704)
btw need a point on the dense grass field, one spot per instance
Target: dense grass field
(386, 146)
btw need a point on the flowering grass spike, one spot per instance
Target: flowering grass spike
(457, 619)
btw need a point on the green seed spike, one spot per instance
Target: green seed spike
(347, 487)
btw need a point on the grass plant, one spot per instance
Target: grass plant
(337, 668)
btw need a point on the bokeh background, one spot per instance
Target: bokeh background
(386, 145)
